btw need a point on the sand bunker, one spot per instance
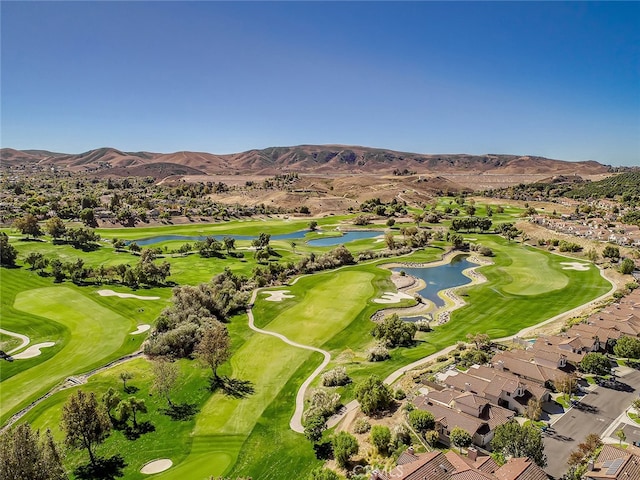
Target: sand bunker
(156, 466)
(391, 297)
(33, 350)
(111, 293)
(277, 295)
(141, 329)
(575, 266)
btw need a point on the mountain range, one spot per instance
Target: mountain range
(318, 159)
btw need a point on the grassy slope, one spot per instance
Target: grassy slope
(84, 319)
(262, 419)
(170, 438)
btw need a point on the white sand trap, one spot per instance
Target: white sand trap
(277, 295)
(141, 329)
(575, 266)
(111, 293)
(33, 350)
(156, 466)
(391, 297)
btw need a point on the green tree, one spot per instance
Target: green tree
(534, 409)
(165, 376)
(457, 240)
(214, 347)
(130, 407)
(33, 258)
(373, 395)
(627, 266)
(110, 400)
(380, 437)
(229, 244)
(460, 437)
(25, 455)
(565, 384)
(394, 332)
(432, 437)
(512, 439)
(621, 436)
(421, 420)
(611, 251)
(345, 446)
(55, 227)
(125, 376)
(8, 252)
(85, 422)
(627, 347)
(596, 363)
(321, 473)
(88, 217)
(479, 339)
(313, 225)
(314, 426)
(28, 225)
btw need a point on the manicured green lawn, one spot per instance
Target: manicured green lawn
(171, 438)
(331, 310)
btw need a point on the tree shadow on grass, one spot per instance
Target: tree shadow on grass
(181, 411)
(133, 433)
(103, 469)
(131, 389)
(233, 387)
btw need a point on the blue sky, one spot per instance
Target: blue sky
(560, 80)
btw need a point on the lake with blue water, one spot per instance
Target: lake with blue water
(440, 278)
(299, 235)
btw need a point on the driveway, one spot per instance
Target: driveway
(596, 413)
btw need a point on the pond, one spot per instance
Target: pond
(440, 278)
(346, 237)
(299, 235)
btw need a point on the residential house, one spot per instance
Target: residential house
(468, 411)
(518, 364)
(498, 387)
(452, 466)
(614, 463)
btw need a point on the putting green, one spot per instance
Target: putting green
(532, 273)
(96, 333)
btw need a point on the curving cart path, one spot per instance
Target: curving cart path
(25, 340)
(296, 420)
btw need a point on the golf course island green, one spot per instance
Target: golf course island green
(314, 323)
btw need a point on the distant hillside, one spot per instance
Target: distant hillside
(320, 159)
(622, 184)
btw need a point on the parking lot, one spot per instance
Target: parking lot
(598, 412)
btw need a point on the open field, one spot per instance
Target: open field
(329, 310)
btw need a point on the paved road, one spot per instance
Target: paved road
(597, 412)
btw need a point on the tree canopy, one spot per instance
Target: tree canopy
(373, 395)
(25, 455)
(512, 439)
(628, 347)
(85, 422)
(596, 363)
(394, 332)
(345, 446)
